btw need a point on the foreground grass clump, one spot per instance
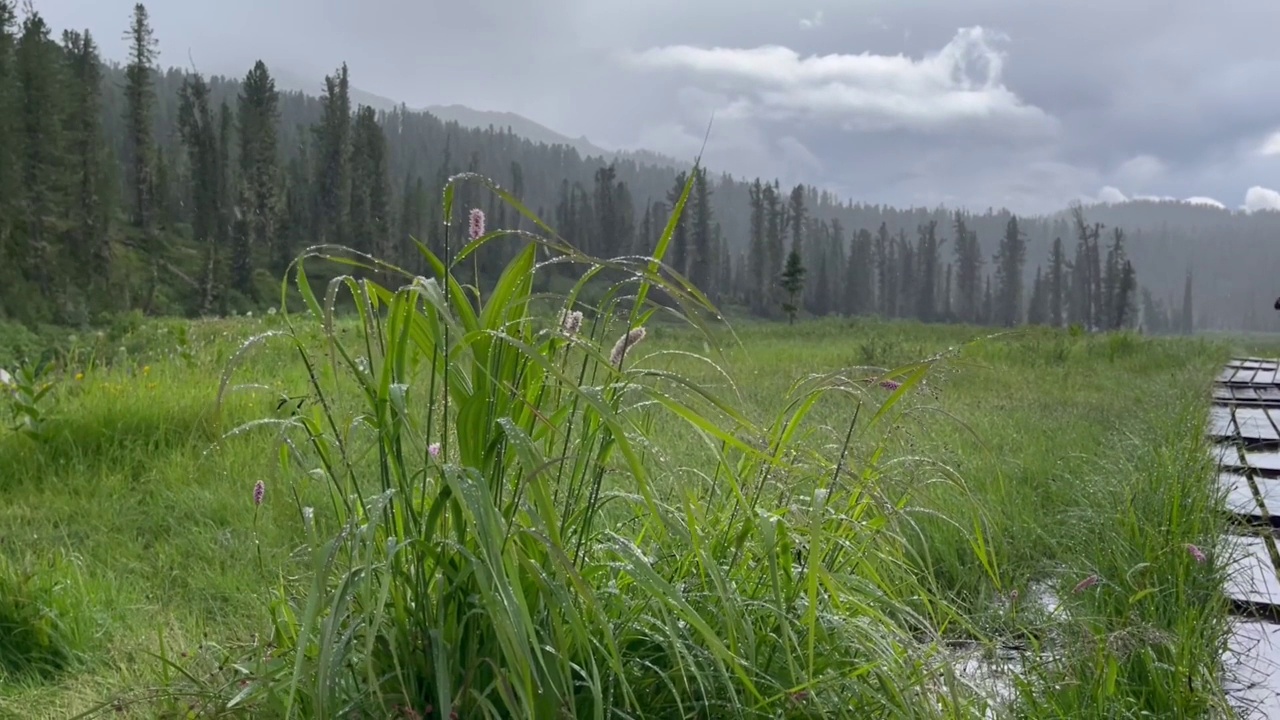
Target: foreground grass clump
(721, 527)
(502, 548)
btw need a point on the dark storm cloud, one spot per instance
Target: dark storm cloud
(1027, 103)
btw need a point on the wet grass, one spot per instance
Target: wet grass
(1030, 460)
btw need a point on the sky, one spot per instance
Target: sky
(1024, 104)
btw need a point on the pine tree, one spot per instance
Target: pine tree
(988, 311)
(756, 252)
(678, 250)
(139, 152)
(43, 170)
(257, 119)
(865, 273)
(773, 244)
(10, 152)
(884, 268)
(227, 214)
(1187, 321)
(1117, 294)
(375, 161)
(1009, 262)
(195, 122)
(1056, 284)
(608, 215)
(792, 282)
(1037, 311)
(968, 270)
(333, 161)
(947, 311)
(701, 262)
(906, 276)
(90, 242)
(927, 272)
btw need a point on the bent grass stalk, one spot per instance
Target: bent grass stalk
(506, 548)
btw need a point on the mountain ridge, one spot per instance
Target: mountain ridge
(519, 125)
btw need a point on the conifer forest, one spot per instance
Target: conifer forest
(129, 187)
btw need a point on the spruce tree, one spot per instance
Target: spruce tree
(199, 136)
(89, 242)
(701, 261)
(257, 119)
(792, 282)
(43, 169)
(1009, 262)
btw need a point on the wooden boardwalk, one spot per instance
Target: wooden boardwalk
(1244, 423)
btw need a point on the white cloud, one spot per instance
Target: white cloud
(1140, 170)
(1109, 194)
(813, 22)
(1259, 198)
(1202, 200)
(1256, 198)
(960, 84)
(1270, 146)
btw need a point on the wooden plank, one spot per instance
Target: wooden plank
(1251, 577)
(1251, 680)
(1222, 394)
(1265, 376)
(1245, 394)
(1226, 374)
(1225, 454)
(1265, 460)
(1239, 499)
(1254, 425)
(1253, 362)
(1221, 424)
(1269, 489)
(1244, 376)
(1268, 394)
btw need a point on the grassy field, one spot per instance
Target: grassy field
(1029, 465)
(417, 508)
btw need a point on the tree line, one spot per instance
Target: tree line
(128, 187)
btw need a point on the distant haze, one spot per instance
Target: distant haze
(986, 103)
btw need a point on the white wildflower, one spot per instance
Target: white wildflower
(624, 345)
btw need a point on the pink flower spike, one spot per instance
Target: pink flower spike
(1085, 584)
(259, 491)
(434, 450)
(890, 384)
(476, 228)
(1196, 553)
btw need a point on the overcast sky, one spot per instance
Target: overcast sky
(1027, 104)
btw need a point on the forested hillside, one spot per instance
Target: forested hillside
(128, 187)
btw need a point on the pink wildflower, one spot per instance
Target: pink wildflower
(890, 384)
(1085, 584)
(259, 490)
(476, 228)
(1196, 553)
(434, 450)
(571, 322)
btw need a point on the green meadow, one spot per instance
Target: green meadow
(138, 569)
(401, 500)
